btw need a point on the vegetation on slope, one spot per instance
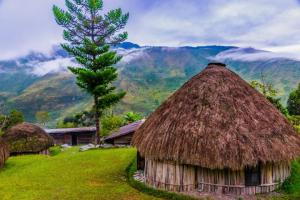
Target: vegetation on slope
(149, 75)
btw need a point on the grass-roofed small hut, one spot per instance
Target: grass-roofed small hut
(4, 152)
(28, 138)
(217, 134)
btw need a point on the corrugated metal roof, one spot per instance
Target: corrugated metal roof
(71, 130)
(124, 130)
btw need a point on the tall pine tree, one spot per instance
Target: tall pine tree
(89, 34)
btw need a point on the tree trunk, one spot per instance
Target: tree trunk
(97, 121)
(97, 139)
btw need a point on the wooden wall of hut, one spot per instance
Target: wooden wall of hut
(81, 138)
(85, 139)
(124, 140)
(45, 152)
(4, 153)
(187, 178)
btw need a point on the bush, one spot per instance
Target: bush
(55, 150)
(15, 117)
(65, 125)
(295, 120)
(132, 117)
(293, 103)
(111, 123)
(292, 185)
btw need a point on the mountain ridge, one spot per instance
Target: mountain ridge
(148, 74)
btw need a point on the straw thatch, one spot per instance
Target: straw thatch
(4, 152)
(27, 138)
(217, 120)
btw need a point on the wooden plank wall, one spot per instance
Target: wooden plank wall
(45, 152)
(82, 139)
(59, 139)
(184, 178)
(169, 176)
(4, 154)
(123, 140)
(85, 139)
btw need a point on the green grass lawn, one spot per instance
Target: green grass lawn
(91, 175)
(72, 175)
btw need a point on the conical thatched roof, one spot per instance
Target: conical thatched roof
(4, 152)
(217, 120)
(27, 138)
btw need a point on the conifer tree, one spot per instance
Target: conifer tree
(89, 34)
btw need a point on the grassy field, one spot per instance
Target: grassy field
(72, 175)
(91, 175)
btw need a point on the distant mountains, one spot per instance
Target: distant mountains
(148, 74)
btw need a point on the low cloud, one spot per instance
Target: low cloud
(246, 54)
(52, 66)
(131, 54)
(251, 54)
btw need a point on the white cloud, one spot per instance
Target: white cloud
(290, 51)
(27, 25)
(247, 54)
(52, 66)
(131, 54)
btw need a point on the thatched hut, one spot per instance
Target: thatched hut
(217, 134)
(28, 138)
(4, 152)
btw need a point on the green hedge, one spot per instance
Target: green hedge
(131, 169)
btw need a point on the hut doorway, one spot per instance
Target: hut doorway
(252, 176)
(74, 140)
(140, 162)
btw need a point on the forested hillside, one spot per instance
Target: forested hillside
(149, 75)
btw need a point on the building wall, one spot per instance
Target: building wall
(187, 178)
(85, 139)
(123, 140)
(82, 138)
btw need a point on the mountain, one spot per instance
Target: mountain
(148, 74)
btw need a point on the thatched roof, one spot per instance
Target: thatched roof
(27, 138)
(4, 152)
(217, 120)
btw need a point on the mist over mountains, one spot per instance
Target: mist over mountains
(40, 81)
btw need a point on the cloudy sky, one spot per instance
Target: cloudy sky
(28, 25)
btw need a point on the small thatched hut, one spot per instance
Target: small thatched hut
(4, 152)
(28, 139)
(217, 134)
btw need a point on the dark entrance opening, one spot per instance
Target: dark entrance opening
(74, 140)
(252, 176)
(140, 162)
